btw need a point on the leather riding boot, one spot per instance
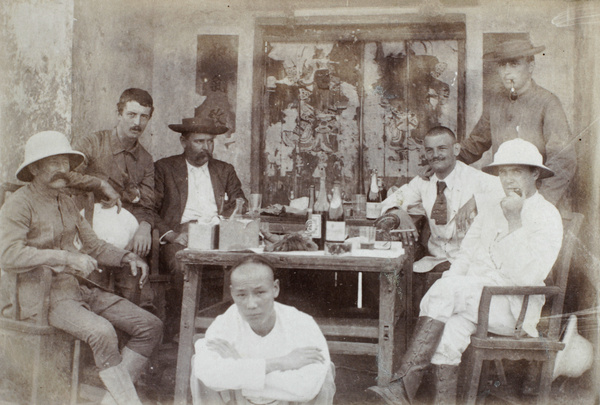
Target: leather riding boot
(119, 386)
(403, 387)
(446, 378)
(133, 362)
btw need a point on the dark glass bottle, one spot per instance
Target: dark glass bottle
(320, 214)
(314, 222)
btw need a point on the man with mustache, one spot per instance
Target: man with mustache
(527, 111)
(40, 227)
(513, 241)
(440, 198)
(116, 157)
(192, 186)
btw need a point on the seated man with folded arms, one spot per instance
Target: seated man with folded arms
(442, 198)
(513, 241)
(260, 351)
(40, 227)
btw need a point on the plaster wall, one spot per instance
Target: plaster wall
(112, 51)
(35, 74)
(175, 49)
(177, 26)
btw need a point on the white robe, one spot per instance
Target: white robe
(293, 329)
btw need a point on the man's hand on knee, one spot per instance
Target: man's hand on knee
(141, 241)
(136, 264)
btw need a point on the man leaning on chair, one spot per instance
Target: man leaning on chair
(40, 226)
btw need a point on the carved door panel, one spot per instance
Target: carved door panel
(340, 108)
(410, 87)
(312, 125)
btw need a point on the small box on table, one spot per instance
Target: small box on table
(239, 233)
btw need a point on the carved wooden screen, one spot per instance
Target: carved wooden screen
(340, 101)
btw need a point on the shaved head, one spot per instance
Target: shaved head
(254, 289)
(256, 261)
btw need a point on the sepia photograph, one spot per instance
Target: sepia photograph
(417, 180)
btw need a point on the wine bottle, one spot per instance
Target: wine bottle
(382, 189)
(373, 198)
(313, 222)
(336, 227)
(320, 213)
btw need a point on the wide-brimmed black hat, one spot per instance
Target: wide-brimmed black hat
(199, 125)
(512, 49)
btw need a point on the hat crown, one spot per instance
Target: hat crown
(512, 49)
(42, 145)
(515, 45)
(201, 125)
(45, 143)
(518, 152)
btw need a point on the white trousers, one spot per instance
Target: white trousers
(454, 300)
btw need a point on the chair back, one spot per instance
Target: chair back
(560, 272)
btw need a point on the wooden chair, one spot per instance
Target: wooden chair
(486, 346)
(23, 361)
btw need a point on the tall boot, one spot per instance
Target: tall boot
(133, 362)
(403, 387)
(119, 385)
(446, 378)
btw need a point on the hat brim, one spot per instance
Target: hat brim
(498, 56)
(492, 168)
(198, 129)
(75, 159)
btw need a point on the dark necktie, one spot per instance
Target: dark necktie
(439, 213)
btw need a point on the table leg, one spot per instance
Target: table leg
(387, 306)
(191, 287)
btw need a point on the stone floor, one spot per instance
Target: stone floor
(356, 373)
(353, 375)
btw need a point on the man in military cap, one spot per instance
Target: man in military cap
(528, 111)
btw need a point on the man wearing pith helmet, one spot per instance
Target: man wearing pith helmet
(528, 111)
(41, 228)
(513, 241)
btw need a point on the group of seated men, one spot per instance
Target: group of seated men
(483, 232)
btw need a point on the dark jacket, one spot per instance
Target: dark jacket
(171, 189)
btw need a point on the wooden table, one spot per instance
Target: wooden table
(389, 333)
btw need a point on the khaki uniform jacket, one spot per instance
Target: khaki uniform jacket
(38, 229)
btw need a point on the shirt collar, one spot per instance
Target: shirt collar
(193, 169)
(117, 147)
(450, 180)
(47, 193)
